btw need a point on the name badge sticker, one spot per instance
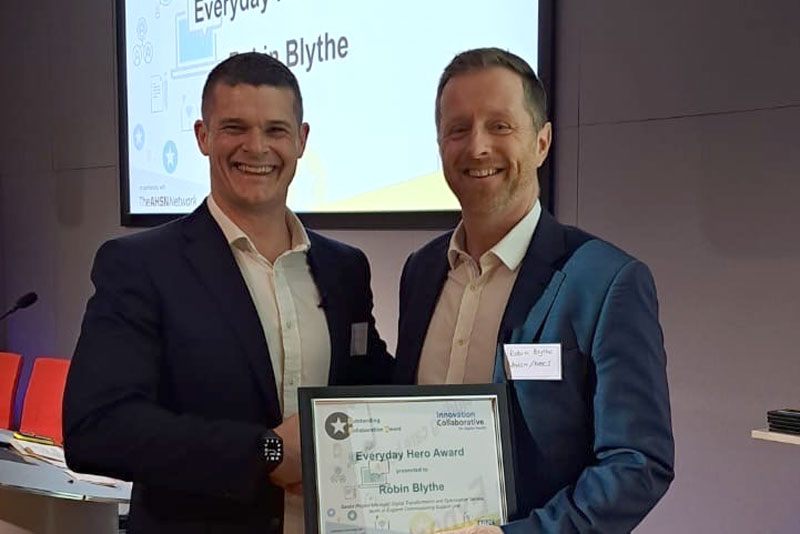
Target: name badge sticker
(358, 339)
(533, 361)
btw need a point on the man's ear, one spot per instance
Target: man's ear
(544, 138)
(201, 134)
(302, 135)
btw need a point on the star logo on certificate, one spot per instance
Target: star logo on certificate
(337, 425)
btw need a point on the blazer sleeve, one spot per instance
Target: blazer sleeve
(403, 291)
(113, 422)
(378, 366)
(633, 446)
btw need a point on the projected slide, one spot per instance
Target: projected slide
(368, 71)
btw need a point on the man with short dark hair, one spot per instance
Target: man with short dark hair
(590, 419)
(185, 375)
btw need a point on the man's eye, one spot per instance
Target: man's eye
(457, 131)
(501, 127)
(232, 128)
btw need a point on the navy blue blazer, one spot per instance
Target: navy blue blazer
(171, 384)
(593, 452)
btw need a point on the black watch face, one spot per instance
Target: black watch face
(273, 449)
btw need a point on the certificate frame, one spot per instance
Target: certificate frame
(309, 396)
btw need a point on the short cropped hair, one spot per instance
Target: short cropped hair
(253, 68)
(485, 58)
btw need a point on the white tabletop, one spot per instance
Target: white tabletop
(34, 476)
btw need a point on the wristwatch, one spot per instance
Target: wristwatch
(272, 446)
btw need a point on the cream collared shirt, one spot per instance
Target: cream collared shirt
(287, 301)
(461, 341)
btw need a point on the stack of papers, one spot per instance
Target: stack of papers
(54, 455)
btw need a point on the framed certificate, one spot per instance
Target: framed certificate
(405, 459)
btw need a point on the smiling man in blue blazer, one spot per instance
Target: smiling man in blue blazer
(591, 431)
(185, 375)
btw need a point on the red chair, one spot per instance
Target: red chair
(41, 411)
(10, 366)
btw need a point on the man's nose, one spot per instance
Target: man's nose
(478, 142)
(256, 141)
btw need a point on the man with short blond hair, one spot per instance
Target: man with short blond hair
(592, 444)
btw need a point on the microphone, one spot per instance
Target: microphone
(23, 302)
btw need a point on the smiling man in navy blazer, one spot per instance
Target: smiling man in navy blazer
(184, 378)
(591, 431)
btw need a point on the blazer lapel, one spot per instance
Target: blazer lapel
(332, 300)
(431, 272)
(208, 252)
(533, 322)
(529, 303)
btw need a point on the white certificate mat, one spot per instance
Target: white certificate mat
(407, 465)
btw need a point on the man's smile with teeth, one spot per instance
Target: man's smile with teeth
(254, 169)
(482, 173)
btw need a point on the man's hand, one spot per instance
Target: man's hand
(477, 529)
(296, 489)
(289, 472)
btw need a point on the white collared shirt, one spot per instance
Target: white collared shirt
(287, 301)
(461, 341)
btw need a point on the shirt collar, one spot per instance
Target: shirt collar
(510, 249)
(236, 237)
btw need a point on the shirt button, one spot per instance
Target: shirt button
(288, 325)
(462, 342)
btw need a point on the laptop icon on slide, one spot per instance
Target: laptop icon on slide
(195, 51)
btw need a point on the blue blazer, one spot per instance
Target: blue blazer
(171, 384)
(593, 452)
